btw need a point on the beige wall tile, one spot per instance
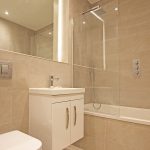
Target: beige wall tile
(88, 95)
(135, 98)
(133, 33)
(107, 95)
(89, 54)
(27, 72)
(20, 109)
(95, 129)
(15, 37)
(108, 134)
(127, 38)
(5, 105)
(77, 7)
(129, 135)
(82, 77)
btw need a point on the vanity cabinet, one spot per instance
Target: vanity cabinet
(67, 122)
(77, 120)
(57, 120)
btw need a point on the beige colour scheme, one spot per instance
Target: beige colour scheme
(134, 33)
(127, 38)
(33, 31)
(44, 42)
(72, 147)
(89, 59)
(108, 134)
(93, 1)
(28, 72)
(16, 38)
(77, 7)
(30, 14)
(127, 35)
(23, 40)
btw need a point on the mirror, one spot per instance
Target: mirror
(33, 27)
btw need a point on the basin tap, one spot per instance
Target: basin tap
(52, 79)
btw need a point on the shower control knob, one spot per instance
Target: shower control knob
(136, 67)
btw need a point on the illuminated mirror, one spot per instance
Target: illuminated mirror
(35, 28)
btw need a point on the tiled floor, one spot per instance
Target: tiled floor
(73, 148)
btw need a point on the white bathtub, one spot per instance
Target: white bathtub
(130, 114)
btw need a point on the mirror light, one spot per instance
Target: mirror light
(60, 30)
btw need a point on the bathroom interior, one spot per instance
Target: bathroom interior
(74, 75)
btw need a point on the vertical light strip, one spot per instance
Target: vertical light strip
(104, 48)
(104, 42)
(60, 30)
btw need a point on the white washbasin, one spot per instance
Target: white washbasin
(56, 91)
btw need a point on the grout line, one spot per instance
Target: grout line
(96, 87)
(32, 56)
(94, 68)
(87, 67)
(105, 137)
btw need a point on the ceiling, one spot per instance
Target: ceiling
(33, 14)
(93, 1)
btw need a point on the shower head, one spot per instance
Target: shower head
(98, 10)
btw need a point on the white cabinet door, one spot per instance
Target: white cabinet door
(60, 125)
(77, 120)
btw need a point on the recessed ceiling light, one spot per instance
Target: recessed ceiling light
(84, 22)
(50, 33)
(6, 12)
(116, 9)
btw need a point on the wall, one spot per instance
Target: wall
(16, 38)
(77, 7)
(107, 134)
(127, 38)
(101, 83)
(127, 34)
(27, 72)
(44, 42)
(24, 40)
(134, 32)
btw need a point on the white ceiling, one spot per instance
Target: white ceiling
(93, 1)
(33, 14)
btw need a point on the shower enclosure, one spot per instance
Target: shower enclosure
(96, 57)
(111, 60)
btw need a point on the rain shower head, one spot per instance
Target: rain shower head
(97, 10)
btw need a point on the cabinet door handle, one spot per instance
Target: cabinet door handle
(75, 115)
(67, 118)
